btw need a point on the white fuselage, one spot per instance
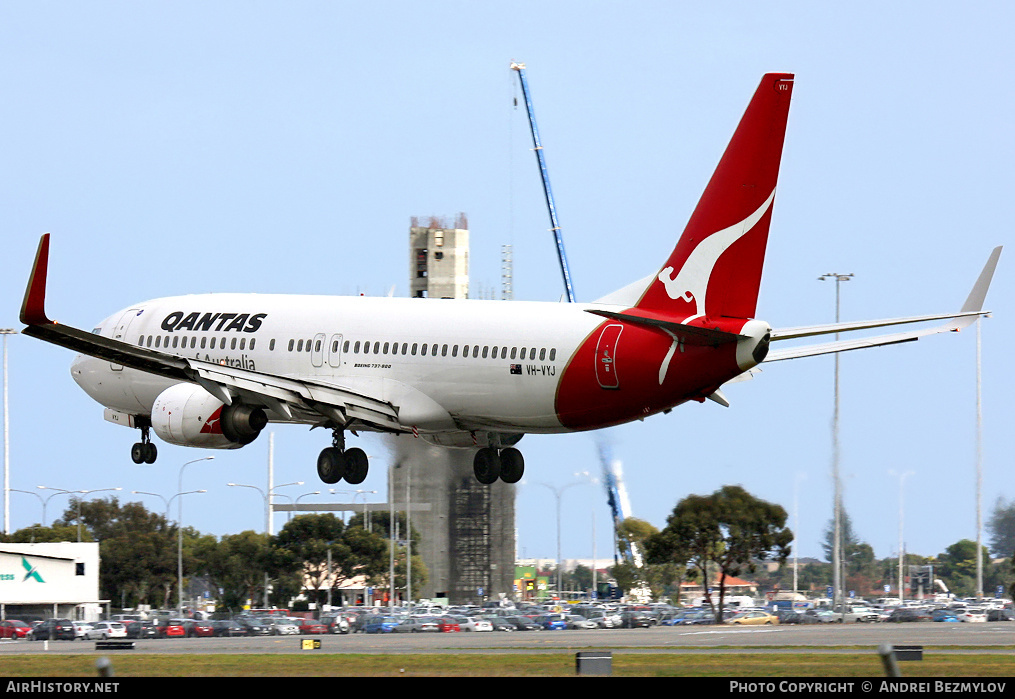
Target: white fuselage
(450, 364)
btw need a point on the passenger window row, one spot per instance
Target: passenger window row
(191, 342)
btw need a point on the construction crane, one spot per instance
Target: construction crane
(538, 147)
(620, 505)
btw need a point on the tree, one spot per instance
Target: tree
(236, 565)
(1001, 527)
(137, 548)
(957, 567)
(724, 533)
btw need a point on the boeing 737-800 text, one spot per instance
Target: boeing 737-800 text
(212, 370)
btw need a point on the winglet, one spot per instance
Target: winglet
(974, 302)
(33, 308)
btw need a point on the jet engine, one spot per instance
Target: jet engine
(753, 350)
(189, 416)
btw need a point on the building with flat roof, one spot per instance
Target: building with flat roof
(50, 580)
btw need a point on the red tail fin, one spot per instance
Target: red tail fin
(715, 269)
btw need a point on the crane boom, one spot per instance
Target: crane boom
(538, 147)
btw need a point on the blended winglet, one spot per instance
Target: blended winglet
(33, 308)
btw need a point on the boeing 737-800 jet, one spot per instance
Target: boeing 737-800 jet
(212, 370)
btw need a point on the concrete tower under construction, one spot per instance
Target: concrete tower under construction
(467, 531)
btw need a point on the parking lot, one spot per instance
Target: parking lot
(950, 637)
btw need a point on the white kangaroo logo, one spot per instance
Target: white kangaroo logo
(691, 283)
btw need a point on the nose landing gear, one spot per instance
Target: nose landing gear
(145, 451)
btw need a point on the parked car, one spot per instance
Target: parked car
(104, 630)
(54, 630)
(196, 628)
(380, 624)
(501, 624)
(337, 624)
(142, 629)
(907, 614)
(551, 622)
(522, 623)
(636, 620)
(311, 626)
(81, 629)
(822, 616)
(171, 628)
(13, 628)
(1000, 615)
(417, 624)
(971, 615)
(228, 628)
(576, 621)
(446, 624)
(754, 618)
(253, 627)
(282, 626)
(474, 623)
(943, 615)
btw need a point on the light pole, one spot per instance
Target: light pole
(558, 492)
(46, 501)
(902, 483)
(366, 522)
(796, 532)
(179, 540)
(7, 443)
(179, 534)
(836, 480)
(267, 499)
(979, 468)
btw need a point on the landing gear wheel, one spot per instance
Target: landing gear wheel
(331, 465)
(486, 465)
(356, 466)
(512, 465)
(137, 453)
(151, 453)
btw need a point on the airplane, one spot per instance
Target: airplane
(212, 370)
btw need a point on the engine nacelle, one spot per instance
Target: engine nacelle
(754, 349)
(189, 416)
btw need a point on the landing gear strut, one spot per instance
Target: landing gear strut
(490, 464)
(336, 462)
(145, 451)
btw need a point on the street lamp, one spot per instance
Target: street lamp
(7, 444)
(902, 483)
(89, 492)
(558, 492)
(366, 522)
(267, 499)
(179, 539)
(45, 502)
(836, 480)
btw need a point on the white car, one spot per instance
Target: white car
(105, 630)
(471, 623)
(81, 629)
(971, 615)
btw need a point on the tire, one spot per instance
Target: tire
(151, 453)
(357, 465)
(512, 465)
(331, 465)
(486, 466)
(137, 453)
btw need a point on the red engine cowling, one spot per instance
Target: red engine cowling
(189, 416)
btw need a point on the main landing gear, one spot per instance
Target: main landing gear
(145, 451)
(490, 464)
(336, 462)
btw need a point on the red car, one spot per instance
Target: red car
(172, 629)
(12, 628)
(309, 626)
(195, 627)
(446, 624)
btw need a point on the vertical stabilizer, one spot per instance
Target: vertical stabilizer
(715, 268)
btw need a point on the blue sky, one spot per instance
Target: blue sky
(282, 147)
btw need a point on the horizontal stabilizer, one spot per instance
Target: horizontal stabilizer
(688, 334)
(971, 310)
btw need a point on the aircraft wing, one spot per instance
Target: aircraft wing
(304, 401)
(971, 310)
